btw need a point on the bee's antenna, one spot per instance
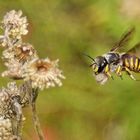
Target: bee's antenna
(89, 57)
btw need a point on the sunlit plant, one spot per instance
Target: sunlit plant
(22, 63)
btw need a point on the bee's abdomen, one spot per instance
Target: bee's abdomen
(132, 62)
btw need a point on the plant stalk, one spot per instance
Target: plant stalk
(36, 122)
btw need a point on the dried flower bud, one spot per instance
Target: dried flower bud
(5, 129)
(25, 52)
(21, 53)
(3, 41)
(8, 54)
(14, 69)
(6, 99)
(43, 73)
(14, 24)
(15, 57)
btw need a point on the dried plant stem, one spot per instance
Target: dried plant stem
(35, 116)
(18, 122)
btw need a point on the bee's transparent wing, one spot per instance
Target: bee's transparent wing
(135, 50)
(124, 40)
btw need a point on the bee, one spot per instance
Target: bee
(116, 62)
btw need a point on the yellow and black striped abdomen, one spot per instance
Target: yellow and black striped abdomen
(131, 62)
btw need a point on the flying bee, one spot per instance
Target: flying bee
(116, 62)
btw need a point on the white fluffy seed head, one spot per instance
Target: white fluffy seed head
(15, 24)
(43, 73)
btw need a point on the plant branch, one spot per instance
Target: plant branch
(18, 122)
(36, 122)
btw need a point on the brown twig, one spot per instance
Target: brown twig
(35, 116)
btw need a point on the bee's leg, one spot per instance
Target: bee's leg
(107, 72)
(130, 74)
(119, 71)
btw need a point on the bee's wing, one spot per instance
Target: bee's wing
(135, 50)
(124, 39)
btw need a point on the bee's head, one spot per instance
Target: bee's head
(98, 64)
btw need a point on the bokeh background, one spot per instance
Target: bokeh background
(81, 109)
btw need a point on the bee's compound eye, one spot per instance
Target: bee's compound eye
(95, 67)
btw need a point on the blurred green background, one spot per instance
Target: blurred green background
(81, 109)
